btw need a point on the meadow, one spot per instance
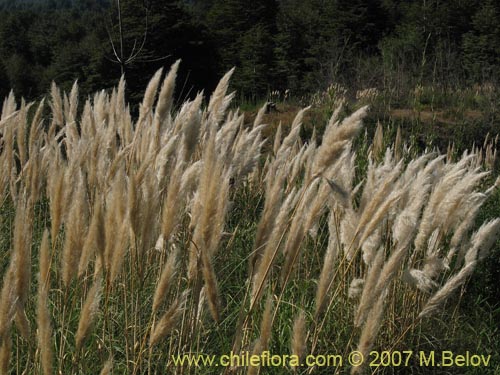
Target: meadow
(191, 229)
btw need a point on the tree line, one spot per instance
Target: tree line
(296, 45)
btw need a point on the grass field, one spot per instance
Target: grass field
(127, 243)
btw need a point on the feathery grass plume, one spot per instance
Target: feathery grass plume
(89, 311)
(377, 146)
(273, 193)
(7, 156)
(326, 274)
(95, 239)
(211, 287)
(483, 239)
(229, 130)
(35, 175)
(4, 179)
(119, 251)
(389, 270)
(370, 331)
(94, 178)
(22, 323)
(286, 147)
(434, 264)
(148, 212)
(219, 101)
(260, 115)
(190, 178)
(266, 323)
(172, 206)
(5, 352)
(447, 289)
(297, 165)
(473, 205)
(123, 117)
(347, 231)
(114, 216)
(101, 113)
(165, 97)
(371, 181)
(277, 140)
(75, 228)
(191, 127)
(406, 222)
(21, 258)
(9, 106)
(149, 98)
(297, 231)
(163, 160)
(271, 247)
(44, 259)
(428, 222)
(65, 106)
(8, 301)
(245, 152)
(203, 208)
(167, 322)
(226, 134)
(344, 177)
(493, 187)
(340, 195)
(56, 105)
(372, 242)
(56, 197)
(42, 313)
(299, 336)
(336, 138)
(417, 168)
(377, 206)
(200, 310)
(21, 120)
(113, 103)
(143, 143)
(208, 216)
(256, 351)
(22, 249)
(162, 120)
(419, 279)
(71, 141)
(108, 367)
(73, 103)
(378, 215)
(450, 209)
(318, 204)
(166, 278)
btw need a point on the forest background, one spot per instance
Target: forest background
(301, 46)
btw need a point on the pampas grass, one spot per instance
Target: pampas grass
(177, 223)
(89, 311)
(298, 346)
(165, 281)
(43, 313)
(167, 322)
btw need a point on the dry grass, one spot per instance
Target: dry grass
(139, 249)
